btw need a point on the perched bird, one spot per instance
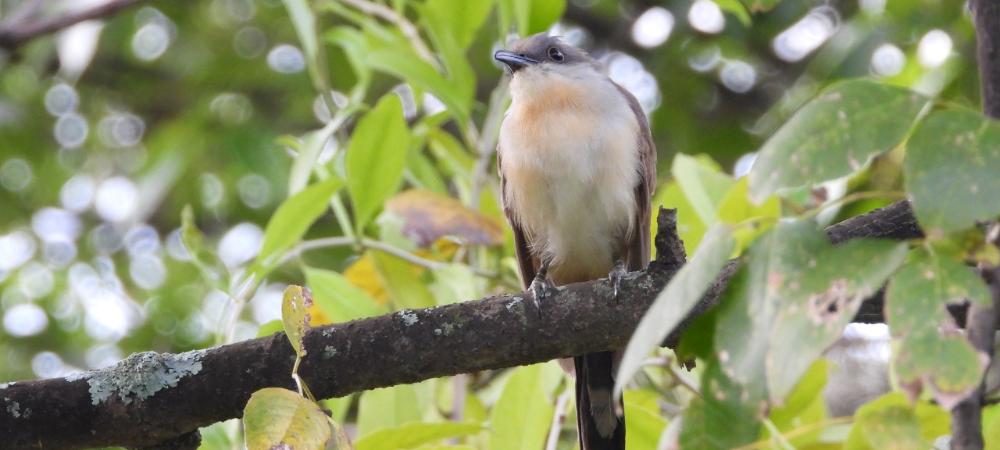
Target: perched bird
(577, 167)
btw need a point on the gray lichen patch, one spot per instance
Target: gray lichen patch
(77, 376)
(329, 352)
(141, 375)
(515, 303)
(13, 408)
(446, 329)
(409, 317)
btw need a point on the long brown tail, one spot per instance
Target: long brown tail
(599, 426)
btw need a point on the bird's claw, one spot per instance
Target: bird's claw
(541, 289)
(615, 276)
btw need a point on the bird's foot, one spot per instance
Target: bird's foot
(615, 277)
(541, 290)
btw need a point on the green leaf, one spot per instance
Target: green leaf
(951, 168)
(338, 298)
(291, 221)
(451, 25)
(270, 327)
(932, 351)
(387, 408)
(813, 315)
(521, 417)
(338, 407)
(674, 302)
(305, 26)
(376, 157)
(690, 228)
(737, 9)
(274, 417)
(991, 427)
(309, 150)
(413, 435)
(724, 416)
(454, 283)
(792, 299)
(422, 173)
(892, 422)
(643, 420)
(403, 281)
(393, 55)
(462, 18)
(808, 390)
(736, 208)
(805, 405)
(834, 135)
(702, 184)
(295, 316)
(531, 16)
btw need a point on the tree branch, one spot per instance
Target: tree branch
(150, 398)
(17, 33)
(966, 417)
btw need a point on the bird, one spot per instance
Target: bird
(577, 168)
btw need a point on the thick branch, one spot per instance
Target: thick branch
(966, 417)
(148, 398)
(16, 34)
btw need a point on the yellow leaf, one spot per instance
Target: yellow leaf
(295, 315)
(362, 273)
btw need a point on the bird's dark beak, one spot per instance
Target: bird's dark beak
(513, 60)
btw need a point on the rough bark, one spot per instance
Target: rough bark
(149, 399)
(966, 417)
(14, 33)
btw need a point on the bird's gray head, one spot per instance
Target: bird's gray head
(543, 52)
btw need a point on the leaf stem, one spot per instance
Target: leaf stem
(776, 435)
(363, 243)
(562, 403)
(682, 379)
(850, 198)
(794, 433)
(405, 26)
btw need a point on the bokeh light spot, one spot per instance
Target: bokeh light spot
(706, 17)
(25, 319)
(934, 48)
(887, 60)
(653, 27)
(285, 58)
(117, 199)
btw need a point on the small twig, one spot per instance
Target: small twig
(776, 435)
(405, 26)
(343, 241)
(313, 244)
(460, 388)
(487, 143)
(562, 403)
(683, 380)
(851, 198)
(414, 259)
(981, 323)
(16, 34)
(794, 433)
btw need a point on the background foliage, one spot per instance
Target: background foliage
(167, 173)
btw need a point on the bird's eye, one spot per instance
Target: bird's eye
(556, 54)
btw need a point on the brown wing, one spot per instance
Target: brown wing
(526, 263)
(639, 241)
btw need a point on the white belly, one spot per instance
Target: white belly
(571, 181)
